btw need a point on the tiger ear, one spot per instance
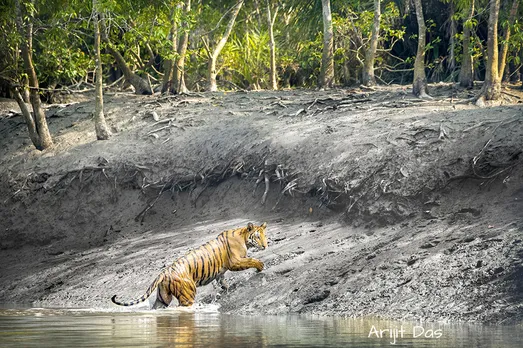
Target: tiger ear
(250, 226)
(263, 225)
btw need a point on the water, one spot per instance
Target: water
(44, 327)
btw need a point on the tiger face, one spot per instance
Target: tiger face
(257, 238)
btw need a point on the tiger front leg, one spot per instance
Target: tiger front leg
(246, 263)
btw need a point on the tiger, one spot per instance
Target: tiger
(198, 267)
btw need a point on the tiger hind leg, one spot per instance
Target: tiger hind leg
(163, 297)
(187, 293)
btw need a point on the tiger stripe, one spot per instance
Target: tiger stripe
(204, 274)
(193, 263)
(217, 259)
(212, 260)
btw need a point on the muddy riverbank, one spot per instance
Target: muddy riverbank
(377, 203)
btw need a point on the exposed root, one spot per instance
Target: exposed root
(312, 104)
(492, 174)
(442, 133)
(290, 188)
(267, 186)
(141, 216)
(424, 95)
(481, 124)
(479, 164)
(294, 114)
(169, 125)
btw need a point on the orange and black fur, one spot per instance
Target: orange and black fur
(203, 265)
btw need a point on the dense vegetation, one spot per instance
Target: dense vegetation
(175, 46)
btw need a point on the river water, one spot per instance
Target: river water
(45, 327)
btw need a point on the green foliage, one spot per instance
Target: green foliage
(140, 31)
(308, 56)
(433, 44)
(60, 60)
(516, 42)
(248, 56)
(353, 32)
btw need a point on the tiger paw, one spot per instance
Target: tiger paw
(260, 266)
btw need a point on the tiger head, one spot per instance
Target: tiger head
(256, 236)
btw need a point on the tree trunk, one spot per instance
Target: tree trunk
(327, 58)
(25, 93)
(213, 87)
(491, 89)
(466, 73)
(24, 81)
(40, 123)
(451, 62)
(29, 120)
(272, 46)
(504, 47)
(168, 65)
(140, 85)
(102, 131)
(182, 51)
(419, 86)
(167, 75)
(368, 66)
